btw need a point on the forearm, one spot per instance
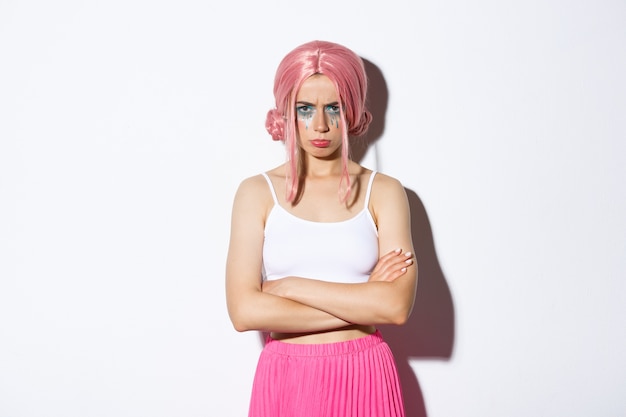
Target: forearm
(268, 312)
(364, 303)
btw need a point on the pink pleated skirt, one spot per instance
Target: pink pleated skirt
(356, 378)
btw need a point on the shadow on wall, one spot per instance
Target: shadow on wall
(377, 98)
(429, 333)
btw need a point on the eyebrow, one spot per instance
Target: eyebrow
(306, 103)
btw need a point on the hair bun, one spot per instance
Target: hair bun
(275, 124)
(364, 123)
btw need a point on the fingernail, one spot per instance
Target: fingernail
(398, 250)
(408, 254)
(403, 270)
(409, 261)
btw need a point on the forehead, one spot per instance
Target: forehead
(317, 88)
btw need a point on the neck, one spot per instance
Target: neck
(313, 167)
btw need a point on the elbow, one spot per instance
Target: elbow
(398, 315)
(398, 319)
(241, 312)
(400, 307)
(239, 321)
(240, 325)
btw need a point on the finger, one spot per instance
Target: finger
(394, 261)
(391, 273)
(397, 274)
(394, 274)
(383, 261)
(397, 266)
(387, 267)
(394, 270)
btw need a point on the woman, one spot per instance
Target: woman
(321, 251)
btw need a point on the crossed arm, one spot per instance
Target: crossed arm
(305, 304)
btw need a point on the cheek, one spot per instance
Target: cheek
(334, 120)
(301, 127)
(303, 123)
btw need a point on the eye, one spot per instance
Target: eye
(305, 110)
(332, 109)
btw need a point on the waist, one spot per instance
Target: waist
(342, 334)
(345, 347)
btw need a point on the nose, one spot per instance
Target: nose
(320, 124)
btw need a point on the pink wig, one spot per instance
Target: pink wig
(345, 69)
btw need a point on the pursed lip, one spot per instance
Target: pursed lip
(320, 143)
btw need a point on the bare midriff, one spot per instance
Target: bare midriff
(342, 334)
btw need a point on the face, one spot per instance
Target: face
(318, 118)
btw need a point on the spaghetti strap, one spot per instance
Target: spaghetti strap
(369, 188)
(269, 182)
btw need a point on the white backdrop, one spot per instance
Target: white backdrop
(126, 126)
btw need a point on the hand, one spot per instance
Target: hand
(391, 266)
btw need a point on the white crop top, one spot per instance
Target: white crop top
(344, 251)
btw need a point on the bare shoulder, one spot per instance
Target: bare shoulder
(253, 194)
(254, 185)
(385, 186)
(388, 198)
